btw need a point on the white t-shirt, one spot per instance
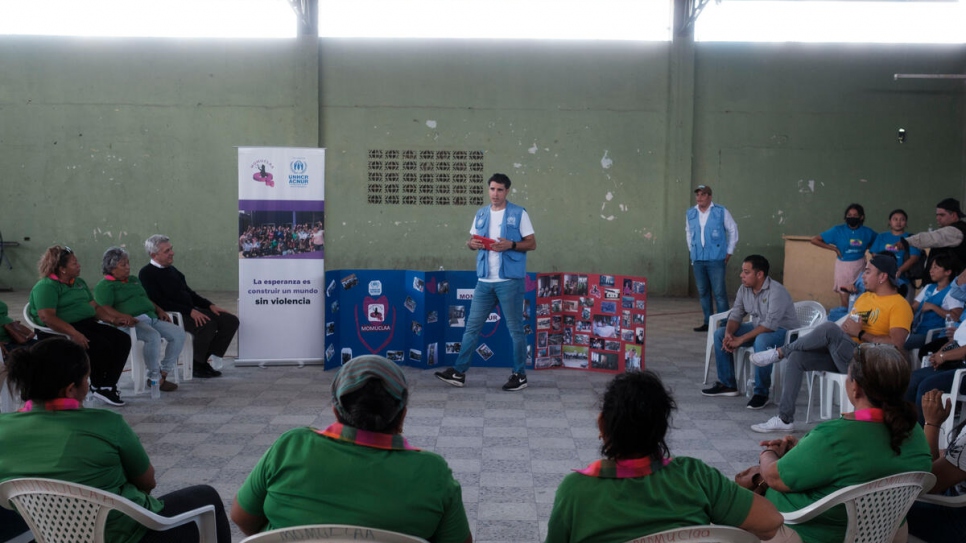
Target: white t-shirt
(496, 223)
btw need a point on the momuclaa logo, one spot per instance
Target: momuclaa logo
(298, 176)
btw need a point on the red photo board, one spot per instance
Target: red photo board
(590, 322)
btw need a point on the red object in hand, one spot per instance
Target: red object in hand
(487, 242)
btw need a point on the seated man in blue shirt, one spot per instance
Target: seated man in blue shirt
(772, 314)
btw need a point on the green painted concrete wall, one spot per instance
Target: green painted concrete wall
(108, 141)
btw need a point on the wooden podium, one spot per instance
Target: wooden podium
(809, 271)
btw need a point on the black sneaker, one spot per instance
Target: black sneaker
(517, 382)
(720, 390)
(702, 328)
(451, 376)
(757, 401)
(109, 396)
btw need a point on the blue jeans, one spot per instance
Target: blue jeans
(925, 379)
(709, 276)
(151, 331)
(726, 361)
(509, 294)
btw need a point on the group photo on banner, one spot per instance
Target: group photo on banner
(281, 255)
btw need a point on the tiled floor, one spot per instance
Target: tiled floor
(508, 450)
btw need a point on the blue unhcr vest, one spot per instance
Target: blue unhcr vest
(715, 236)
(513, 264)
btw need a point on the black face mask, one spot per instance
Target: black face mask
(853, 221)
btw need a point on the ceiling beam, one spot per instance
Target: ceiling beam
(692, 9)
(307, 13)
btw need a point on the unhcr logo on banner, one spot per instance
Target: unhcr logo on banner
(298, 177)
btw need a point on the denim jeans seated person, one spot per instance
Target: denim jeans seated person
(726, 364)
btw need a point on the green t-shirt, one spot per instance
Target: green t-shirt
(93, 447)
(71, 302)
(307, 478)
(4, 319)
(686, 492)
(837, 454)
(128, 298)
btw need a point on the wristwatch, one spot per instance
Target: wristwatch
(514, 246)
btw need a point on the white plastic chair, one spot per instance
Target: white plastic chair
(958, 401)
(957, 404)
(810, 314)
(35, 325)
(700, 534)
(875, 509)
(135, 359)
(332, 533)
(58, 511)
(714, 321)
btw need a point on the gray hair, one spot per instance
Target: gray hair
(112, 257)
(153, 243)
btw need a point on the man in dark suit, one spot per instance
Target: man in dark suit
(212, 327)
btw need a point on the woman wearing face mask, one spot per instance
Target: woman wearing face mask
(849, 241)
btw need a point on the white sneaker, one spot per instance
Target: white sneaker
(216, 362)
(774, 424)
(765, 358)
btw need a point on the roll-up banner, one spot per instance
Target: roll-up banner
(281, 255)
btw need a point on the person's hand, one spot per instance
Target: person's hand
(163, 315)
(199, 318)
(501, 245)
(934, 412)
(838, 253)
(902, 244)
(474, 244)
(79, 339)
(215, 309)
(780, 446)
(851, 327)
(932, 307)
(728, 343)
(937, 359)
(125, 321)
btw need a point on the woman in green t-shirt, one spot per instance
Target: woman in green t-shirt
(638, 489)
(880, 438)
(62, 302)
(53, 436)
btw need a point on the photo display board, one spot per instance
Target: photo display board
(591, 321)
(587, 322)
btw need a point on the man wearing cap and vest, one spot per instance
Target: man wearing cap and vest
(950, 237)
(712, 235)
(501, 267)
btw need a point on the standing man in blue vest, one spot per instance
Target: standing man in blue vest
(712, 235)
(501, 267)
